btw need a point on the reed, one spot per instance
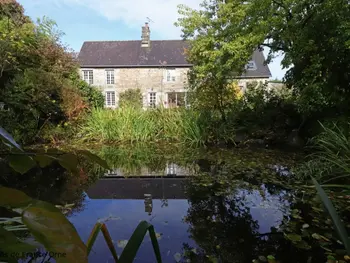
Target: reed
(129, 124)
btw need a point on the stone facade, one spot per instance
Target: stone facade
(148, 80)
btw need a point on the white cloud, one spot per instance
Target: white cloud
(134, 13)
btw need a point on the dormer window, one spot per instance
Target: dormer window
(250, 65)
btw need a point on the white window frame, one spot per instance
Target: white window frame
(149, 101)
(170, 75)
(251, 65)
(111, 105)
(110, 77)
(88, 76)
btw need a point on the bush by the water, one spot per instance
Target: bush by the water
(131, 124)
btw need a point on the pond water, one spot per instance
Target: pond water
(207, 205)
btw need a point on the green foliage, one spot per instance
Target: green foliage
(35, 76)
(133, 245)
(223, 35)
(330, 160)
(131, 124)
(91, 94)
(131, 98)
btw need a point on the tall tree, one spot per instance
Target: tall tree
(314, 36)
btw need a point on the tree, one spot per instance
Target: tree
(313, 35)
(39, 80)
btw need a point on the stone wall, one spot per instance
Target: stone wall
(146, 79)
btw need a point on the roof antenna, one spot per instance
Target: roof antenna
(149, 19)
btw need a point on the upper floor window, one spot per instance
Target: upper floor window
(250, 65)
(110, 98)
(110, 76)
(88, 76)
(170, 75)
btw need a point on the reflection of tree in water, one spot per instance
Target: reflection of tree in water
(51, 184)
(223, 228)
(220, 223)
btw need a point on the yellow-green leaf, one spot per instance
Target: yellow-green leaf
(51, 228)
(13, 198)
(21, 163)
(43, 160)
(94, 158)
(69, 161)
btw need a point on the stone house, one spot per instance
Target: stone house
(157, 67)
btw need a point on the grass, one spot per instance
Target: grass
(331, 160)
(136, 125)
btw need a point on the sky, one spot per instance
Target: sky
(88, 20)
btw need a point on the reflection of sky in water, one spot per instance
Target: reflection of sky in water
(267, 209)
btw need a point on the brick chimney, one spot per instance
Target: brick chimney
(145, 38)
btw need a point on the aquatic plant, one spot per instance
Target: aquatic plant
(330, 161)
(130, 124)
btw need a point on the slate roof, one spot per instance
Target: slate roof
(123, 54)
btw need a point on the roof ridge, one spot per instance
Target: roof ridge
(132, 40)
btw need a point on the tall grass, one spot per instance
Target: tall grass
(130, 124)
(331, 160)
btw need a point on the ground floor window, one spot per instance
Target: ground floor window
(110, 99)
(176, 99)
(152, 99)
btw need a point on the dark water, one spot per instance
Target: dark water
(206, 205)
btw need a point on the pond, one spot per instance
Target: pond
(207, 205)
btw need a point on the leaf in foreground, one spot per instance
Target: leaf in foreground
(13, 198)
(21, 163)
(338, 224)
(51, 228)
(9, 243)
(9, 139)
(93, 236)
(129, 253)
(94, 158)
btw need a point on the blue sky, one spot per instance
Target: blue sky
(83, 20)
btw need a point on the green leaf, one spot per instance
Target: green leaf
(293, 237)
(51, 228)
(129, 253)
(69, 161)
(21, 163)
(43, 160)
(94, 158)
(338, 224)
(92, 238)
(9, 139)
(13, 198)
(10, 244)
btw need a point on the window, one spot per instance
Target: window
(250, 65)
(176, 99)
(110, 98)
(152, 99)
(88, 76)
(171, 169)
(110, 76)
(170, 75)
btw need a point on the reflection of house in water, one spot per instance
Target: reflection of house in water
(171, 170)
(137, 188)
(148, 204)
